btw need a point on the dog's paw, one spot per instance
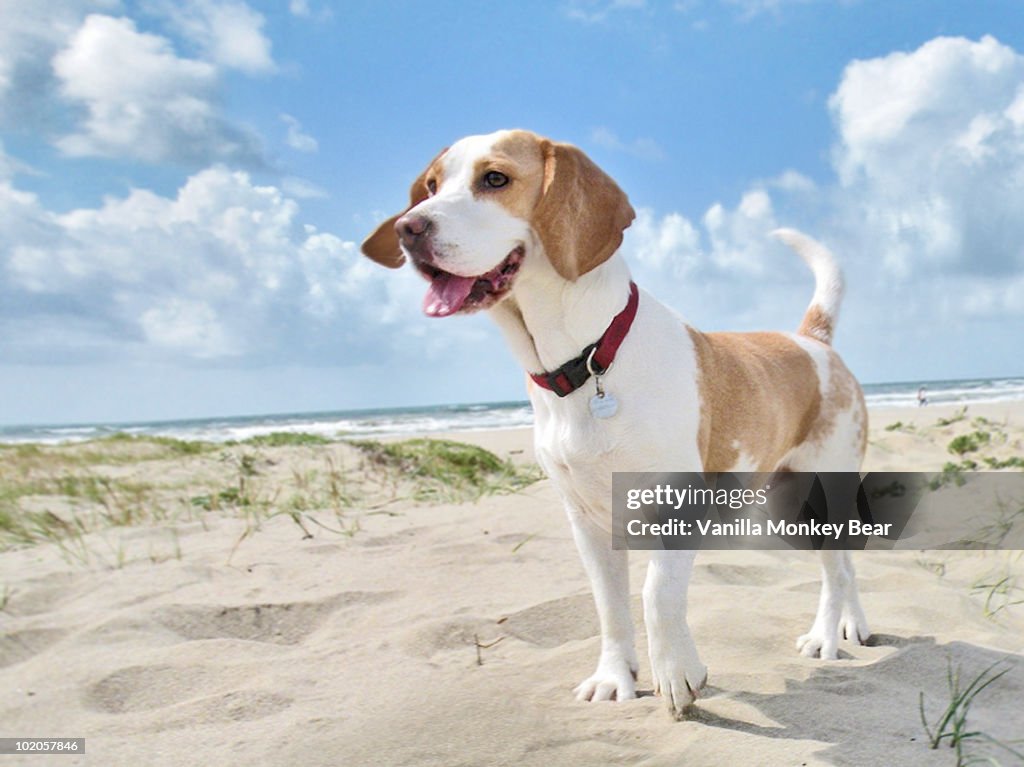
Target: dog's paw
(819, 643)
(679, 684)
(614, 679)
(822, 643)
(853, 626)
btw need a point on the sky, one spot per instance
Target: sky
(184, 185)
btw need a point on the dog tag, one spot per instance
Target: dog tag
(603, 405)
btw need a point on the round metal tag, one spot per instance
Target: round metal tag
(603, 406)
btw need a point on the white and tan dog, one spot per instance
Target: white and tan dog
(530, 229)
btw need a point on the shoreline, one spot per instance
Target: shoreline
(388, 423)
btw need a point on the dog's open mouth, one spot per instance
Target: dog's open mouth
(449, 293)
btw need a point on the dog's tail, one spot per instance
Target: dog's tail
(820, 318)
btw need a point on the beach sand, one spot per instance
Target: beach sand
(400, 627)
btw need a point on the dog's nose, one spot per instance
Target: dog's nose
(411, 227)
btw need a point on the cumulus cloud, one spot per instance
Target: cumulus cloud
(750, 9)
(223, 270)
(142, 100)
(923, 212)
(81, 75)
(597, 11)
(228, 32)
(296, 138)
(738, 236)
(930, 161)
(10, 166)
(642, 148)
(31, 33)
(302, 189)
(923, 215)
(669, 245)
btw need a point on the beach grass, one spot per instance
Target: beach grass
(61, 493)
(951, 725)
(446, 470)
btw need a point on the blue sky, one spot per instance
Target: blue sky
(183, 185)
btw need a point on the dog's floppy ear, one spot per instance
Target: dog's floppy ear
(582, 212)
(382, 246)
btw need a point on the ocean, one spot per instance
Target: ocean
(419, 420)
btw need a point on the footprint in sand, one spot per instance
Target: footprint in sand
(284, 623)
(21, 645)
(556, 622)
(146, 688)
(739, 575)
(141, 688)
(548, 624)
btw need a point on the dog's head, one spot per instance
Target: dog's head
(491, 204)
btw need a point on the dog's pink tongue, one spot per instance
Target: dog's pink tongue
(446, 294)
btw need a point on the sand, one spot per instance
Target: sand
(453, 633)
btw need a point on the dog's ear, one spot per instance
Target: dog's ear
(582, 213)
(382, 246)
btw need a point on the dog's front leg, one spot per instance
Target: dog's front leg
(608, 570)
(678, 673)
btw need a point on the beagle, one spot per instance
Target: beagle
(530, 230)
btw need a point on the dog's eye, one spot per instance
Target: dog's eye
(495, 180)
(432, 186)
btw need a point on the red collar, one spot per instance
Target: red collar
(596, 358)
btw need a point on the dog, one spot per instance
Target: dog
(530, 230)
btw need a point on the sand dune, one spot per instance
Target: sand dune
(452, 634)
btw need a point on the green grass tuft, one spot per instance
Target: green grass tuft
(952, 474)
(952, 723)
(1013, 462)
(286, 438)
(171, 445)
(446, 470)
(969, 443)
(959, 415)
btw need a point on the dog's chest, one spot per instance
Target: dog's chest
(576, 451)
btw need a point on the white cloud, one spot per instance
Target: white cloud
(930, 159)
(303, 9)
(191, 326)
(296, 138)
(228, 32)
(302, 189)
(596, 11)
(746, 10)
(30, 34)
(10, 167)
(78, 75)
(749, 9)
(739, 237)
(223, 270)
(793, 181)
(924, 217)
(923, 214)
(142, 100)
(642, 148)
(669, 246)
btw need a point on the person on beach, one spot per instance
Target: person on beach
(922, 398)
